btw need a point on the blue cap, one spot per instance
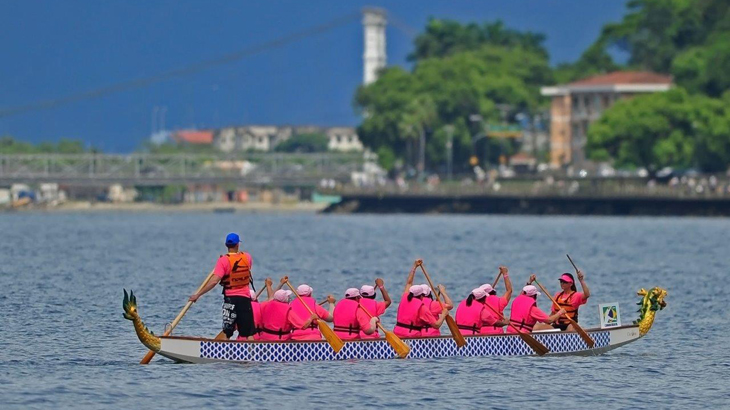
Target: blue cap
(232, 240)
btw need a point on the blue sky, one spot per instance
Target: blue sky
(52, 49)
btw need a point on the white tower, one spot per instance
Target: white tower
(373, 23)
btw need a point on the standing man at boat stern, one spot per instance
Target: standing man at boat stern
(233, 272)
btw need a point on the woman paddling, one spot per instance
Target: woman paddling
(277, 319)
(371, 305)
(524, 314)
(569, 299)
(413, 317)
(311, 332)
(472, 315)
(434, 307)
(350, 319)
(498, 302)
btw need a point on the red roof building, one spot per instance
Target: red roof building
(200, 137)
(576, 105)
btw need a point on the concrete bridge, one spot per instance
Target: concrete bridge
(242, 169)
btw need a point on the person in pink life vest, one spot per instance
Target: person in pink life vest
(256, 306)
(374, 307)
(498, 302)
(472, 315)
(350, 319)
(413, 317)
(277, 319)
(525, 313)
(434, 307)
(569, 299)
(311, 332)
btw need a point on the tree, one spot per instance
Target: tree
(664, 129)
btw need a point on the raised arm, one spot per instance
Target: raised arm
(381, 285)
(507, 283)
(282, 281)
(269, 291)
(448, 304)
(581, 278)
(412, 274)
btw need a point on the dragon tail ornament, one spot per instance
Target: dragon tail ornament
(130, 313)
(652, 301)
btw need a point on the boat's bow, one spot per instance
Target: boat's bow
(130, 313)
(652, 301)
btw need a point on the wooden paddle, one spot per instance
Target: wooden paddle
(328, 333)
(499, 275)
(146, 359)
(577, 327)
(453, 327)
(538, 347)
(401, 349)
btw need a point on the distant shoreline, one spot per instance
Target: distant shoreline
(217, 207)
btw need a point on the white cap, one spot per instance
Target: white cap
(416, 290)
(367, 290)
(253, 294)
(426, 289)
(487, 288)
(478, 293)
(352, 293)
(304, 290)
(282, 295)
(530, 290)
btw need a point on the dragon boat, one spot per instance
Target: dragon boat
(185, 349)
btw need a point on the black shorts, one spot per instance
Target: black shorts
(561, 326)
(237, 313)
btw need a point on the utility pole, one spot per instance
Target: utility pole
(422, 154)
(449, 151)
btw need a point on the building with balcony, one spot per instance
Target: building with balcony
(578, 104)
(266, 137)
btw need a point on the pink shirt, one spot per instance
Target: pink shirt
(435, 309)
(379, 310)
(538, 314)
(223, 268)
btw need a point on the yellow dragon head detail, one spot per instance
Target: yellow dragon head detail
(130, 313)
(652, 301)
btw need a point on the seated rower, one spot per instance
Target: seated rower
(434, 307)
(569, 300)
(277, 319)
(525, 313)
(472, 315)
(350, 319)
(413, 316)
(374, 307)
(311, 332)
(498, 302)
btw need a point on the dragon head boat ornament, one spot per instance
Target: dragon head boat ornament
(652, 301)
(130, 313)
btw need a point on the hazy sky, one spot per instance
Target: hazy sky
(53, 49)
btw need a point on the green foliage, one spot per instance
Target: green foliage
(9, 145)
(664, 129)
(311, 142)
(175, 148)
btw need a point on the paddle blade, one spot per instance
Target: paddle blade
(538, 347)
(455, 332)
(330, 336)
(400, 347)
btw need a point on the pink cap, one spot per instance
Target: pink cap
(566, 278)
(530, 290)
(253, 294)
(487, 288)
(304, 290)
(352, 293)
(416, 290)
(367, 290)
(282, 295)
(479, 293)
(426, 289)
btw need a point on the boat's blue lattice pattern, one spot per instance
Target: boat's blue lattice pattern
(380, 349)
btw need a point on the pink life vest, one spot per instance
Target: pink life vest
(345, 319)
(275, 321)
(408, 322)
(256, 306)
(371, 305)
(430, 305)
(312, 332)
(520, 316)
(469, 318)
(493, 301)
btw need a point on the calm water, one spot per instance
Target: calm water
(64, 342)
